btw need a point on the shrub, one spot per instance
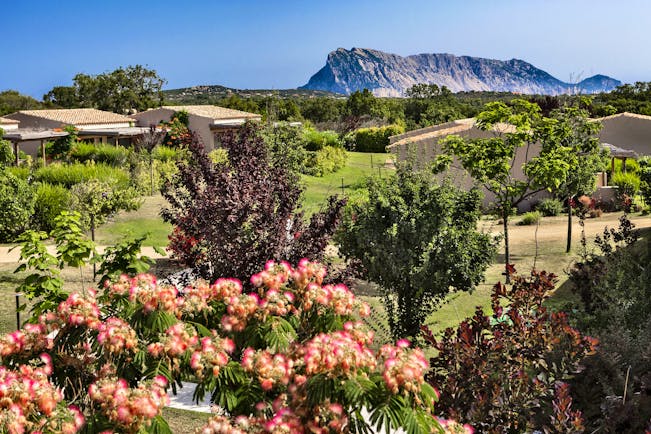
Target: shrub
(60, 147)
(166, 154)
(632, 166)
(82, 152)
(326, 160)
(645, 184)
(289, 357)
(16, 206)
(493, 368)
(550, 207)
(229, 219)
(315, 140)
(530, 218)
(51, 200)
(71, 174)
(115, 156)
(21, 172)
(418, 241)
(628, 184)
(7, 156)
(614, 285)
(110, 155)
(375, 139)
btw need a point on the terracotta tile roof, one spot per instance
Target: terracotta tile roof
(79, 116)
(213, 111)
(625, 115)
(5, 121)
(444, 130)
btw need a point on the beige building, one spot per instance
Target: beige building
(627, 131)
(425, 146)
(8, 124)
(207, 121)
(93, 125)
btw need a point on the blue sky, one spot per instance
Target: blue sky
(280, 44)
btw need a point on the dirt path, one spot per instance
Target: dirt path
(9, 255)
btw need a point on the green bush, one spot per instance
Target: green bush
(530, 218)
(645, 184)
(21, 172)
(375, 139)
(632, 166)
(627, 183)
(50, 201)
(550, 207)
(16, 206)
(83, 152)
(68, 175)
(316, 140)
(165, 153)
(102, 153)
(325, 161)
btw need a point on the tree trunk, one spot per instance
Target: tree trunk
(92, 237)
(507, 255)
(569, 225)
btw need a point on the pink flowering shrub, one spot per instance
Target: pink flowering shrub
(291, 357)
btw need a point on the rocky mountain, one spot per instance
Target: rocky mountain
(391, 75)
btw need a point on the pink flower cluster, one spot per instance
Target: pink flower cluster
(31, 339)
(80, 310)
(274, 275)
(404, 368)
(212, 355)
(337, 353)
(30, 403)
(178, 339)
(239, 309)
(454, 427)
(270, 369)
(145, 290)
(116, 336)
(129, 408)
(224, 425)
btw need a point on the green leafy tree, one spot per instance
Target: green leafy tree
(124, 89)
(492, 161)
(416, 240)
(16, 206)
(12, 101)
(574, 130)
(6, 153)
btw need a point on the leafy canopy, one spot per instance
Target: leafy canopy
(417, 240)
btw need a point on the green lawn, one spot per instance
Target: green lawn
(358, 166)
(146, 220)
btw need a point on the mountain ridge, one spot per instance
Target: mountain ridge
(388, 74)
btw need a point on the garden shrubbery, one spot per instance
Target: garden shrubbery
(375, 139)
(16, 206)
(530, 218)
(51, 200)
(68, 175)
(550, 207)
(324, 161)
(110, 155)
(316, 140)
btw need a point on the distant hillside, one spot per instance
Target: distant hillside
(391, 75)
(198, 94)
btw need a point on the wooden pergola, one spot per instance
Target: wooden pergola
(16, 137)
(619, 153)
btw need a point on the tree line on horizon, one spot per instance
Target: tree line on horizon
(137, 88)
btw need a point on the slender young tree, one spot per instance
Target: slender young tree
(518, 129)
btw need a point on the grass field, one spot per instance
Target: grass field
(358, 166)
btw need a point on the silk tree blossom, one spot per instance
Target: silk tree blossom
(129, 408)
(337, 353)
(116, 336)
(270, 369)
(30, 403)
(213, 354)
(80, 310)
(31, 339)
(404, 368)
